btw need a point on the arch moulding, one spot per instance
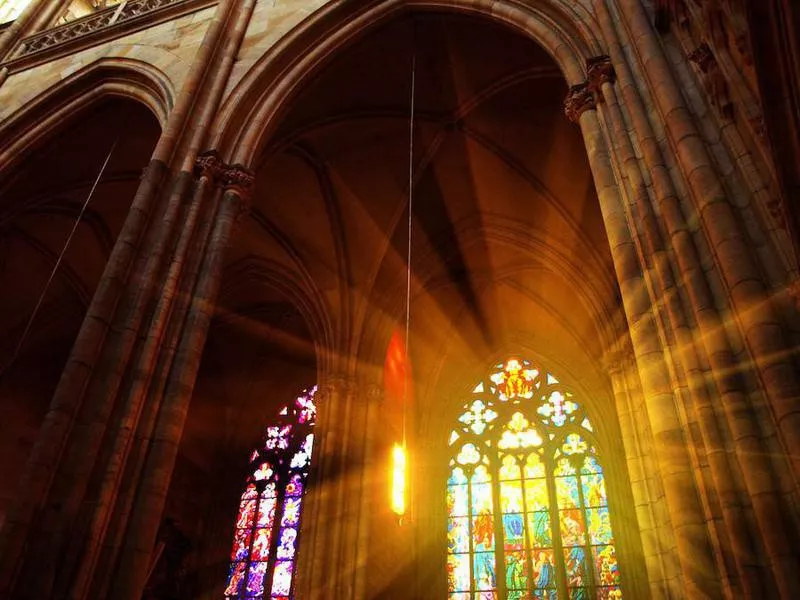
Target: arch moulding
(54, 108)
(253, 109)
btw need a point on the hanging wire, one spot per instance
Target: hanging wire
(410, 206)
(35, 312)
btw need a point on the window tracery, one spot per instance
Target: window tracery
(527, 505)
(265, 544)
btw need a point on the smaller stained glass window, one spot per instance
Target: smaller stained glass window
(267, 530)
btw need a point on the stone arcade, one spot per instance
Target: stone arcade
(599, 391)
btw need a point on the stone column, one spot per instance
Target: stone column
(373, 399)
(148, 505)
(694, 551)
(333, 551)
(744, 283)
(617, 363)
(752, 579)
(741, 424)
(209, 169)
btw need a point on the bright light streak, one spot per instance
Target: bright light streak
(399, 479)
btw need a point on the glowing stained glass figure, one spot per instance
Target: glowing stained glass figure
(550, 534)
(268, 524)
(515, 379)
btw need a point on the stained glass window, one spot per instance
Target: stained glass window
(268, 525)
(526, 498)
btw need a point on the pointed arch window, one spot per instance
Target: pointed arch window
(265, 543)
(527, 506)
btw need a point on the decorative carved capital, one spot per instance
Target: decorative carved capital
(599, 70)
(239, 179)
(713, 80)
(209, 165)
(777, 211)
(578, 100)
(703, 58)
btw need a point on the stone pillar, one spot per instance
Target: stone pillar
(333, 551)
(740, 427)
(370, 463)
(694, 551)
(750, 577)
(617, 364)
(738, 266)
(209, 169)
(142, 528)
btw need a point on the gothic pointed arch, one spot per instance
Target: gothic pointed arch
(256, 104)
(24, 129)
(527, 506)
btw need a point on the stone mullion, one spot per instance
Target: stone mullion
(693, 546)
(160, 363)
(163, 445)
(643, 498)
(714, 440)
(764, 490)
(755, 313)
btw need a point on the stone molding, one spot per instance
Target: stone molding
(578, 100)
(97, 28)
(599, 70)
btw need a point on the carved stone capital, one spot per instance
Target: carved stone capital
(703, 58)
(208, 164)
(240, 179)
(599, 70)
(578, 100)
(713, 80)
(777, 211)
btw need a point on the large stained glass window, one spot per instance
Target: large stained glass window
(268, 524)
(526, 498)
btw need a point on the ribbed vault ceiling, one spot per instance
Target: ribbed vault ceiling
(509, 247)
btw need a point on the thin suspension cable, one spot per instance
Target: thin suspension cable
(410, 206)
(58, 261)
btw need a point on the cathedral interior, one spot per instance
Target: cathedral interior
(399, 299)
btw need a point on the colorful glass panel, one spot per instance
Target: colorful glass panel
(527, 502)
(263, 556)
